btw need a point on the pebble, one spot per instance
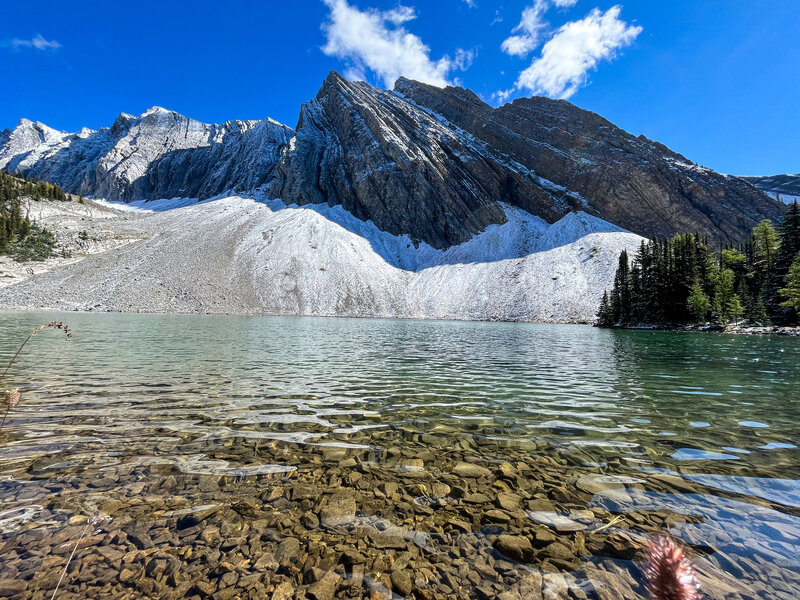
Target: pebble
(352, 523)
(468, 470)
(516, 547)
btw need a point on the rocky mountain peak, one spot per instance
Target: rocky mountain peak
(387, 160)
(333, 81)
(158, 110)
(631, 181)
(436, 164)
(121, 124)
(158, 154)
(33, 130)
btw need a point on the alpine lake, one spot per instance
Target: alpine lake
(195, 457)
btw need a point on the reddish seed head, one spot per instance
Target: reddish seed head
(58, 325)
(668, 573)
(12, 398)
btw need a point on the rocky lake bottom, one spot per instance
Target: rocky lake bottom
(224, 458)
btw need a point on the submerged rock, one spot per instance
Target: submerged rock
(516, 547)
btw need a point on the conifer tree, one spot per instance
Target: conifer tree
(791, 293)
(788, 247)
(605, 316)
(699, 304)
(621, 294)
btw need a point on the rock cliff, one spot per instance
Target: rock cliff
(159, 154)
(631, 181)
(437, 165)
(386, 160)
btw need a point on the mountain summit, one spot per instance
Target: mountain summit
(435, 164)
(159, 154)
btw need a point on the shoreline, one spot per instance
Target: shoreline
(35, 309)
(728, 329)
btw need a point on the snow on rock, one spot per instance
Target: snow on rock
(159, 154)
(785, 198)
(242, 256)
(784, 188)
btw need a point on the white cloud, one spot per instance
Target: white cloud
(530, 27)
(502, 96)
(38, 42)
(463, 59)
(401, 14)
(575, 49)
(470, 3)
(377, 41)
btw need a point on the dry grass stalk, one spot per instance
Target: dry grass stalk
(69, 560)
(12, 397)
(98, 518)
(668, 573)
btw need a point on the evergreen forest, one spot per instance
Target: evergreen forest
(680, 281)
(21, 238)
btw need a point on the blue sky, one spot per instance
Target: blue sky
(717, 80)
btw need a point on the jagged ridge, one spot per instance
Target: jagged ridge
(633, 182)
(434, 164)
(159, 154)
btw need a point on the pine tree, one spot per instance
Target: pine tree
(699, 303)
(791, 293)
(789, 234)
(621, 294)
(788, 248)
(605, 316)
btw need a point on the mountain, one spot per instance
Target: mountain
(785, 188)
(386, 160)
(416, 202)
(432, 163)
(633, 182)
(159, 154)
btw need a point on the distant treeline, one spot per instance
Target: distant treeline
(19, 237)
(680, 281)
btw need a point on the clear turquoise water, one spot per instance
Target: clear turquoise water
(718, 412)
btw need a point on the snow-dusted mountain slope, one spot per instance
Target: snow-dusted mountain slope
(434, 164)
(240, 256)
(414, 202)
(785, 188)
(159, 154)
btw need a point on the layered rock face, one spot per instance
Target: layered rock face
(631, 181)
(159, 154)
(385, 160)
(435, 164)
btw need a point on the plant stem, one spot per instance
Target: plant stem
(54, 324)
(11, 362)
(8, 408)
(60, 579)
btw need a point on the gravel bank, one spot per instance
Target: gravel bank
(240, 256)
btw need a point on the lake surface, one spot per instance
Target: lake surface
(197, 457)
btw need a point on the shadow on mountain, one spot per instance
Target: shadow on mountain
(522, 235)
(244, 161)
